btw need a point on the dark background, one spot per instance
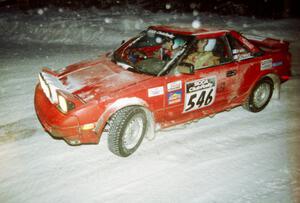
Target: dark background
(257, 8)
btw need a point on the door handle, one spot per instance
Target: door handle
(230, 73)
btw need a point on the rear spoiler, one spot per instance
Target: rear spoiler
(270, 43)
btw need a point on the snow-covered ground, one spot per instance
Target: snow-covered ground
(235, 156)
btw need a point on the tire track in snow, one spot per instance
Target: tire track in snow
(20, 129)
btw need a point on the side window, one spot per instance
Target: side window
(208, 52)
(239, 51)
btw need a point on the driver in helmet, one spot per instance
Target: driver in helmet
(169, 49)
(166, 50)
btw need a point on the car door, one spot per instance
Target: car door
(247, 68)
(205, 91)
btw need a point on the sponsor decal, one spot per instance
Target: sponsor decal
(161, 33)
(266, 64)
(277, 63)
(152, 92)
(247, 43)
(172, 86)
(200, 93)
(174, 97)
(245, 56)
(241, 54)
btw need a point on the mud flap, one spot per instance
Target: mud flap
(276, 92)
(150, 131)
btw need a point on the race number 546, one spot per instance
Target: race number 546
(199, 93)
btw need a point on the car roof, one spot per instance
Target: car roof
(184, 30)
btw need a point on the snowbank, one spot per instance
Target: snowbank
(109, 27)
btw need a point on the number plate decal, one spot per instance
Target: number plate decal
(200, 93)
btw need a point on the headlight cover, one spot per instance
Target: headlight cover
(64, 105)
(44, 86)
(50, 84)
(56, 92)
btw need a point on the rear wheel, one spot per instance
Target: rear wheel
(260, 95)
(127, 130)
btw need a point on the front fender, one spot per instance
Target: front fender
(117, 105)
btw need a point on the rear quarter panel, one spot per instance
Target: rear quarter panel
(270, 63)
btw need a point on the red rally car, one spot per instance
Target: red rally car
(162, 77)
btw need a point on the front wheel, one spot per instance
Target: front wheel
(127, 130)
(260, 95)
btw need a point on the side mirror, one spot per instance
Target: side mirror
(186, 68)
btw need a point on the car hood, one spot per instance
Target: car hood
(97, 78)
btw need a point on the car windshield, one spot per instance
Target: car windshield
(151, 52)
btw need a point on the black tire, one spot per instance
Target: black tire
(120, 123)
(252, 102)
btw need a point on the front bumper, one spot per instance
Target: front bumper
(61, 125)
